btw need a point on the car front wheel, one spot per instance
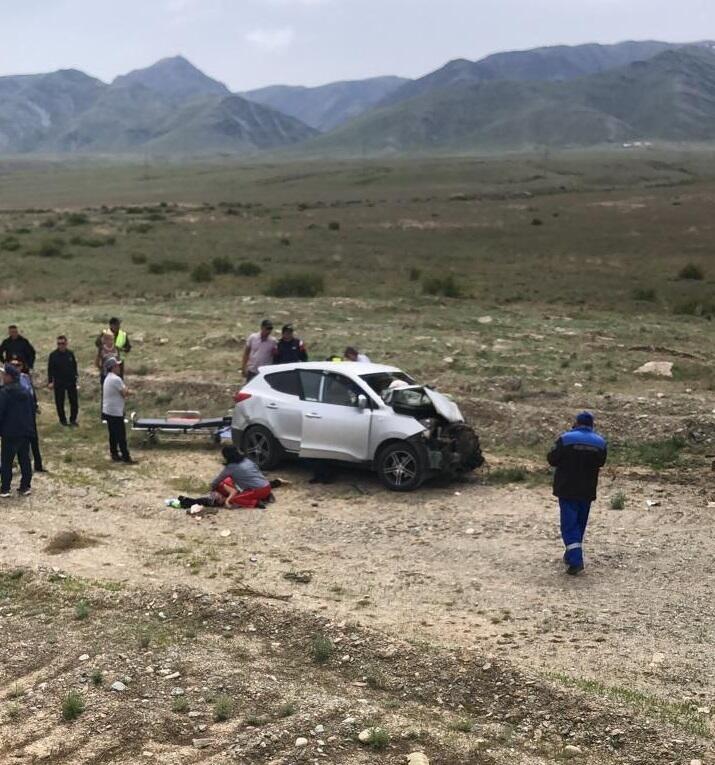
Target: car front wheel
(261, 447)
(400, 467)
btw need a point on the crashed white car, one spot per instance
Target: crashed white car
(351, 412)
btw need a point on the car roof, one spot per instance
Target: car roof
(344, 367)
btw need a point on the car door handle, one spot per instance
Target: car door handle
(314, 416)
(271, 406)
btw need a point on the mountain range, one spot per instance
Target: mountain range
(558, 96)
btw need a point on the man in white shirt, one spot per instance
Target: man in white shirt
(259, 351)
(352, 354)
(114, 393)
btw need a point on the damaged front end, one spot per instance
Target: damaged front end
(452, 446)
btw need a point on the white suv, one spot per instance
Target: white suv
(357, 413)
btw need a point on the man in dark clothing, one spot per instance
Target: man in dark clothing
(17, 428)
(15, 345)
(578, 456)
(62, 379)
(290, 349)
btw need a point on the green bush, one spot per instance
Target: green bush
(334, 225)
(76, 219)
(51, 248)
(691, 271)
(442, 286)
(296, 285)
(222, 265)
(89, 241)
(322, 649)
(166, 266)
(415, 274)
(618, 501)
(72, 706)
(223, 708)
(507, 475)
(138, 258)
(139, 228)
(202, 273)
(248, 268)
(644, 295)
(10, 244)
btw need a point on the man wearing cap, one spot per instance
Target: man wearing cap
(578, 456)
(289, 349)
(17, 428)
(114, 393)
(260, 347)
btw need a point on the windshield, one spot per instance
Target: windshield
(381, 381)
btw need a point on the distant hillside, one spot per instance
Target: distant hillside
(174, 78)
(543, 64)
(327, 106)
(669, 97)
(170, 107)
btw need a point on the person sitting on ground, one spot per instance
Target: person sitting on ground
(26, 383)
(352, 354)
(290, 349)
(239, 484)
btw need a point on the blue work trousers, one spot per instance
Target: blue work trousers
(574, 519)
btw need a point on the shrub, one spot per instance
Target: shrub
(223, 708)
(507, 475)
(287, 710)
(139, 228)
(89, 241)
(285, 241)
(222, 265)
(138, 258)
(644, 295)
(72, 705)
(48, 223)
(537, 222)
(442, 286)
(297, 285)
(10, 244)
(166, 266)
(334, 225)
(76, 219)
(155, 216)
(81, 610)
(415, 274)
(51, 248)
(463, 725)
(691, 271)
(180, 704)
(97, 677)
(322, 649)
(379, 738)
(248, 268)
(202, 273)
(618, 501)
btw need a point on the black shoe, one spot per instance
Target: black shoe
(129, 461)
(261, 505)
(116, 458)
(74, 424)
(25, 492)
(64, 424)
(39, 470)
(574, 570)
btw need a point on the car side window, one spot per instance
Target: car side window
(340, 391)
(285, 382)
(310, 381)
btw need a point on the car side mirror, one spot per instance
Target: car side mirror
(362, 401)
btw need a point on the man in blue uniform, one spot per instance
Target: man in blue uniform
(578, 456)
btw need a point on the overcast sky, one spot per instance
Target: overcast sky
(250, 43)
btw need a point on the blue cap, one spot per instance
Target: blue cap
(585, 418)
(11, 370)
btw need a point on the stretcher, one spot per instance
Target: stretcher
(181, 423)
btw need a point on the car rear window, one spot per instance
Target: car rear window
(285, 382)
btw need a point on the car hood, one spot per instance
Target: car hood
(444, 406)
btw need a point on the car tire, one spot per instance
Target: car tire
(401, 467)
(261, 447)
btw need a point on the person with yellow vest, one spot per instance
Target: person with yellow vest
(121, 340)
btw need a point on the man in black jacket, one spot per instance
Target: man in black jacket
(290, 349)
(16, 345)
(17, 428)
(578, 456)
(62, 379)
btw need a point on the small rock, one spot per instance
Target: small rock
(119, 686)
(485, 320)
(173, 676)
(194, 714)
(657, 368)
(84, 657)
(572, 751)
(225, 533)
(365, 736)
(202, 743)
(481, 743)
(301, 742)
(177, 691)
(320, 729)
(417, 758)
(469, 531)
